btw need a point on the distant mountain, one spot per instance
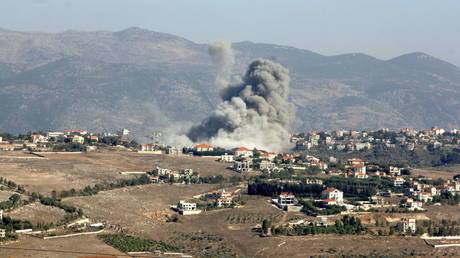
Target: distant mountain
(142, 79)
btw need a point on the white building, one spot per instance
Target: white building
(226, 158)
(224, 201)
(332, 193)
(123, 132)
(78, 139)
(398, 181)
(411, 204)
(266, 165)
(173, 151)
(55, 135)
(437, 131)
(423, 196)
(203, 147)
(360, 168)
(287, 201)
(147, 147)
(407, 225)
(187, 208)
(243, 152)
(38, 138)
(243, 165)
(221, 193)
(395, 171)
(74, 132)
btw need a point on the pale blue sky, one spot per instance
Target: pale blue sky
(384, 28)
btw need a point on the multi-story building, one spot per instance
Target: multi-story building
(243, 152)
(187, 208)
(245, 165)
(332, 193)
(226, 158)
(407, 225)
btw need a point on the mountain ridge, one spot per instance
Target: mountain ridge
(144, 79)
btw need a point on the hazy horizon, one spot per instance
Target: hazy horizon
(383, 29)
(384, 59)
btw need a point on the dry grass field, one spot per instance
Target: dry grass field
(146, 218)
(443, 212)
(143, 210)
(81, 246)
(138, 209)
(4, 195)
(38, 213)
(433, 174)
(65, 171)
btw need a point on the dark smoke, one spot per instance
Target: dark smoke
(254, 113)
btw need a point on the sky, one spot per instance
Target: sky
(381, 28)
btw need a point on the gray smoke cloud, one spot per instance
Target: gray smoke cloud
(223, 59)
(254, 113)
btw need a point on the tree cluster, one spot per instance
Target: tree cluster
(347, 225)
(129, 243)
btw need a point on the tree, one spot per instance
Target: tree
(15, 198)
(265, 226)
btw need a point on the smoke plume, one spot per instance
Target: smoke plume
(254, 113)
(223, 59)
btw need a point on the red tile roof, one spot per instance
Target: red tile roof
(203, 146)
(242, 149)
(146, 144)
(286, 194)
(329, 189)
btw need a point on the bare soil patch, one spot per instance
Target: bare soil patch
(4, 195)
(38, 213)
(432, 173)
(65, 171)
(139, 209)
(80, 246)
(443, 212)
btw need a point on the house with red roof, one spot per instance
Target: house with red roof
(332, 193)
(93, 138)
(320, 164)
(147, 147)
(38, 138)
(357, 174)
(288, 159)
(203, 147)
(398, 181)
(355, 161)
(360, 168)
(407, 225)
(75, 132)
(243, 152)
(411, 204)
(270, 155)
(287, 201)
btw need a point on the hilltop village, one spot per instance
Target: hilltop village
(371, 183)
